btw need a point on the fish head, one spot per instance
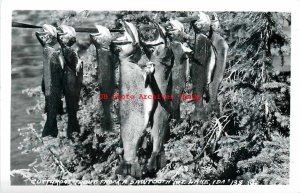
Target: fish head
(214, 21)
(175, 30)
(66, 35)
(48, 35)
(202, 24)
(128, 45)
(102, 39)
(156, 46)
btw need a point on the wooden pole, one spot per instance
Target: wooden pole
(23, 25)
(77, 29)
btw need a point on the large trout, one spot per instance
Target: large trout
(105, 71)
(73, 75)
(52, 79)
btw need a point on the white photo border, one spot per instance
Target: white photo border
(7, 6)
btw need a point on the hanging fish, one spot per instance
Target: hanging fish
(52, 79)
(72, 77)
(105, 71)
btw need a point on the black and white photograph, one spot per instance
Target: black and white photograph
(149, 98)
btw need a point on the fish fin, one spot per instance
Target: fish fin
(147, 81)
(61, 61)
